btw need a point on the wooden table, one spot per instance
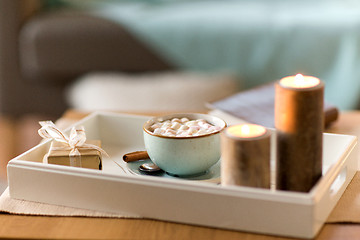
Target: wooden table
(39, 227)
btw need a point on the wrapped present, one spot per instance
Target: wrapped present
(74, 150)
(88, 158)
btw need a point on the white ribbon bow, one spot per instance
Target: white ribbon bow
(75, 141)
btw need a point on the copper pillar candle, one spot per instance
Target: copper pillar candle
(299, 122)
(245, 156)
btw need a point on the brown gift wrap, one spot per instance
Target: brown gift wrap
(89, 158)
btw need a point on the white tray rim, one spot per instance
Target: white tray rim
(306, 199)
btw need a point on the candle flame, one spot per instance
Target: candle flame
(299, 79)
(245, 129)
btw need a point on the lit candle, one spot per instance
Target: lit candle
(299, 122)
(245, 156)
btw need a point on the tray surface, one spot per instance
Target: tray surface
(116, 166)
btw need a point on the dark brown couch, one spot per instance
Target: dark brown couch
(42, 52)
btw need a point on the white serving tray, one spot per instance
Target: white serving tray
(192, 201)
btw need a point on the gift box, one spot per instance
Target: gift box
(73, 150)
(59, 153)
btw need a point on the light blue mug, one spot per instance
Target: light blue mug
(184, 156)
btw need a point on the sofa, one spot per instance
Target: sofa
(42, 51)
(46, 46)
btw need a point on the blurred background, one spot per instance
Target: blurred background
(164, 55)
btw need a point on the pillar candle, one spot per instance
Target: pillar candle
(245, 156)
(299, 122)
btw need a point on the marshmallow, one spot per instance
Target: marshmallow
(183, 127)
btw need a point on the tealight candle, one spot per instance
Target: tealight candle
(245, 156)
(299, 122)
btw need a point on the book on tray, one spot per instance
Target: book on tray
(256, 106)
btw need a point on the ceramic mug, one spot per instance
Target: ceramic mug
(184, 156)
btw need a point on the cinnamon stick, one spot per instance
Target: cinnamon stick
(135, 156)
